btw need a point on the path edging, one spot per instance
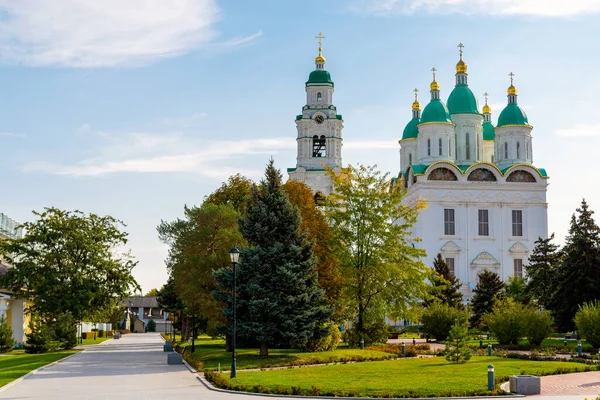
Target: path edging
(19, 379)
(210, 386)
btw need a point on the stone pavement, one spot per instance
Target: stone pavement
(134, 368)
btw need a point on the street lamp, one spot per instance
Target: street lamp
(235, 256)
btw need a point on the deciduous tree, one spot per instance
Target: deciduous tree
(235, 192)
(371, 225)
(69, 261)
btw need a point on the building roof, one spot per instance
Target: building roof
(512, 115)
(141, 301)
(411, 131)
(318, 77)
(488, 131)
(462, 101)
(435, 111)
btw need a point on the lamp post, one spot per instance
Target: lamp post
(235, 256)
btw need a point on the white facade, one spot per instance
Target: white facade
(501, 245)
(319, 133)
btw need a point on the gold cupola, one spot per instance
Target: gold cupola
(512, 90)
(461, 66)
(416, 105)
(320, 59)
(486, 109)
(434, 85)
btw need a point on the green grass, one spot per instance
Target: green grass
(98, 340)
(571, 344)
(15, 366)
(422, 377)
(212, 352)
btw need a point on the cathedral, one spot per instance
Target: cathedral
(486, 200)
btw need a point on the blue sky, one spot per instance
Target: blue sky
(135, 108)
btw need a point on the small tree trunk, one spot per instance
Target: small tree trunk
(264, 349)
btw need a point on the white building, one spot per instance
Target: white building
(319, 138)
(486, 200)
(14, 310)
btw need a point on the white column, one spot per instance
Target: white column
(3, 308)
(18, 320)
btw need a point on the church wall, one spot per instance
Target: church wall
(466, 199)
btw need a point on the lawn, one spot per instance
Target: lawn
(571, 344)
(14, 366)
(423, 377)
(212, 352)
(98, 340)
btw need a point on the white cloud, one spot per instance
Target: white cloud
(101, 33)
(172, 151)
(547, 8)
(580, 130)
(13, 135)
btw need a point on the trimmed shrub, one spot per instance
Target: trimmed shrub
(538, 325)
(438, 319)
(151, 326)
(6, 340)
(587, 321)
(324, 343)
(375, 332)
(506, 321)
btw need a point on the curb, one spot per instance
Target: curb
(19, 379)
(213, 388)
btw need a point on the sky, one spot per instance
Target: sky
(135, 108)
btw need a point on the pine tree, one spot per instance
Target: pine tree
(445, 287)
(280, 302)
(577, 280)
(489, 287)
(543, 265)
(457, 350)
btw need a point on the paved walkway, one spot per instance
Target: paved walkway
(134, 368)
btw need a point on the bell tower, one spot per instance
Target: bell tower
(319, 131)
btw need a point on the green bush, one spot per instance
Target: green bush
(100, 332)
(39, 339)
(151, 326)
(438, 319)
(6, 340)
(538, 325)
(506, 321)
(326, 343)
(64, 330)
(375, 332)
(587, 321)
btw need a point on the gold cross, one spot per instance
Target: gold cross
(486, 96)
(416, 93)
(460, 45)
(433, 70)
(511, 77)
(320, 37)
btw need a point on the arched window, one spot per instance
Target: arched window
(409, 158)
(518, 150)
(468, 147)
(440, 145)
(505, 150)
(428, 147)
(319, 96)
(319, 149)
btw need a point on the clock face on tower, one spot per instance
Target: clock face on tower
(319, 119)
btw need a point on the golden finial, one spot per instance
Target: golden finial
(434, 85)
(486, 109)
(512, 90)
(416, 105)
(320, 59)
(461, 67)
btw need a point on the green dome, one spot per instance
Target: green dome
(319, 76)
(512, 115)
(488, 131)
(462, 101)
(411, 131)
(435, 111)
